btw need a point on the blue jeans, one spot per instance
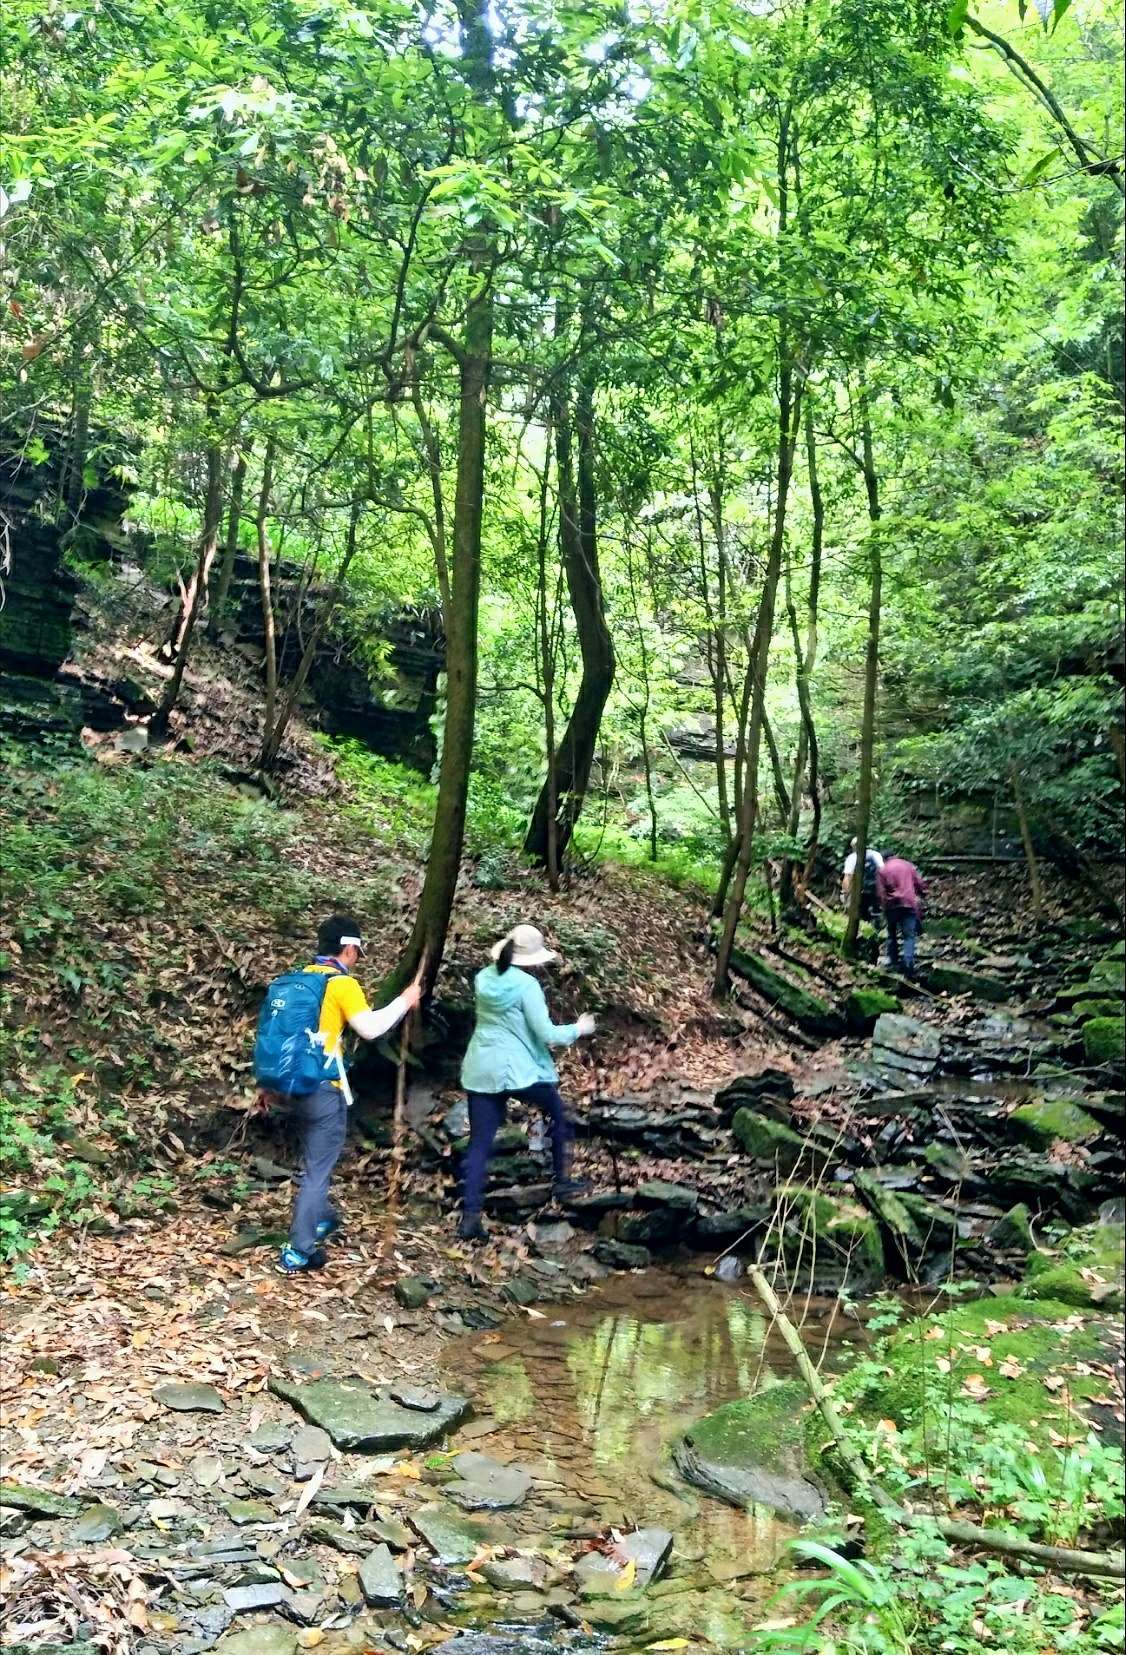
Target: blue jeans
(322, 1118)
(903, 925)
(486, 1117)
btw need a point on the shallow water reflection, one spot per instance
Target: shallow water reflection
(591, 1397)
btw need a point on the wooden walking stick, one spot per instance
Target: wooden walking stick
(398, 1118)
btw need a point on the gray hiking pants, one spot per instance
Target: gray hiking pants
(323, 1121)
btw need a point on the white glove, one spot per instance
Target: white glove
(585, 1024)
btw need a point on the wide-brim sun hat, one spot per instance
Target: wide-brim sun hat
(528, 946)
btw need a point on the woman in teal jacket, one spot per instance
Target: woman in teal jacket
(508, 1057)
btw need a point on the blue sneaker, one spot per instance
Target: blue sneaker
(328, 1227)
(293, 1262)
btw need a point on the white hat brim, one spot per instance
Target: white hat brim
(540, 956)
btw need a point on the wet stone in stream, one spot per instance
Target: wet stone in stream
(484, 1485)
(358, 1420)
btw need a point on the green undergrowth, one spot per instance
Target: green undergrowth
(989, 1408)
(399, 803)
(141, 905)
(984, 1411)
(1010, 1359)
(1086, 1270)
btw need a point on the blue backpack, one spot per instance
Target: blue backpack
(287, 1055)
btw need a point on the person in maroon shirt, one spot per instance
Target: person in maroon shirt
(901, 889)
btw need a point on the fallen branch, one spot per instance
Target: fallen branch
(1110, 1565)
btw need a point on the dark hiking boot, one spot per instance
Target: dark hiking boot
(293, 1262)
(328, 1227)
(471, 1228)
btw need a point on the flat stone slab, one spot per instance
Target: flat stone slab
(243, 1600)
(917, 1043)
(349, 1541)
(658, 1192)
(189, 1398)
(381, 1578)
(311, 1445)
(515, 1574)
(393, 1533)
(485, 1485)
(355, 1496)
(97, 1523)
(360, 1421)
(621, 1255)
(259, 1640)
(270, 1437)
(450, 1536)
(421, 1398)
(38, 1502)
(242, 1512)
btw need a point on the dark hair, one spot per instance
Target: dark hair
(332, 930)
(504, 958)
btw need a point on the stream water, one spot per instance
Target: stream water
(589, 1395)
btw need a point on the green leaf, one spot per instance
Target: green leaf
(956, 17)
(1040, 167)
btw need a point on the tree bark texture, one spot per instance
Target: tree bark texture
(579, 549)
(217, 602)
(208, 542)
(269, 625)
(428, 938)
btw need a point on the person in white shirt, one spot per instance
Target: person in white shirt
(873, 862)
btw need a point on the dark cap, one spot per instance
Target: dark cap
(337, 932)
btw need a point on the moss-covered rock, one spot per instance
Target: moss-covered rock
(864, 1005)
(947, 1159)
(830, 1239)
(768, 1140)
(1014, 1228)
(1109, 973)
(1045, 1120)
(1104, 1040)
(952, 979)
(1086, 1271)
(808, 1010)
(948, 925)
(934, 1223)
(922, 1370)
(752, 1452)
(891, 1212)
(1083, 1010)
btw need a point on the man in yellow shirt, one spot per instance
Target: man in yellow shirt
(323, 1115)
